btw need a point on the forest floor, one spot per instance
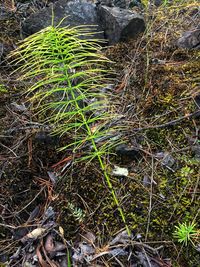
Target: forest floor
(157, 91)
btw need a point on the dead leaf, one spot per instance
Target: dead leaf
(51, 263)
(61, 231)
(90, 237)
(36, 233)
(59, 246)
(84, 251)
(34, 214)
(17, 107)
(40, 259)
(49, 244)
(121, 238)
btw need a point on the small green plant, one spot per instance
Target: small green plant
(3, 89)
(68, 75)
(186, 171)
(146, 3)
(185, 233)
(77, 213)
(68, 259)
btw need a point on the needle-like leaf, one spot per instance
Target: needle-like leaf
(68, 75)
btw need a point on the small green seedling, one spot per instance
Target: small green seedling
(185, 233)
(3, 89)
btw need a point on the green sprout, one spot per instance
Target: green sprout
(186, 171)
(68, 77)
(185, 233)
(3, 89)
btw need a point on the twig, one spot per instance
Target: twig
(17, 212)
(150, 198)
(9, 150)
(170, 123)
(196, 187)
(6, 136)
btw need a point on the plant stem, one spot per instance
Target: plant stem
(112, 191)
(99, 159)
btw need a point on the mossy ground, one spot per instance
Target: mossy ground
(156, 84)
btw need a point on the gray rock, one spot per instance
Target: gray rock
(44, 138)
(190, 39)
(129, 152)
(122, 3)
(197, 100)
(109, 3)
(196, 150)
(136, 3)
(112, 3)
(76, 12)
(120, 24)
(117, 24)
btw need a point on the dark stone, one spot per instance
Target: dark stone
(136, 3)
(197, 100)
(120, 24)
(4, 258)
(109, 3)
(75, 13)
(20, 232)
(196, 150)
(46, 139)
(129, 152)
(119, 3)
(122, 3)
(190, 39)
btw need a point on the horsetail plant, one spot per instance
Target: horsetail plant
(67, 69)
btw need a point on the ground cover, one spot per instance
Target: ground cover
(156, 89)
